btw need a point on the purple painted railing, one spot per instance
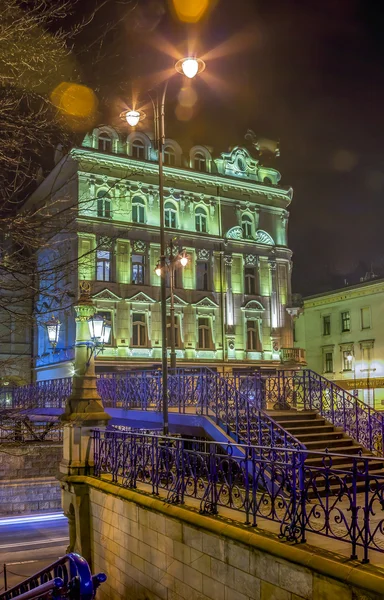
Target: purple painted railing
(235, 400)
(69, 578)
(306, 390)
(258, 481)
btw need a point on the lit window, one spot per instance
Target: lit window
(327, 325)
(205, 334)
(199, 162)
(138, 149)
(169, 156)
(347, 360)
(202, 276)
(365, 314)
(249, 280)
(201, 219)
(253, 339)
(246, 225)
(103, 205)
(138, 269)
(328, 360)
(177, 332)
(104, 142)
(345, 321)
(139, 330)
(138, 210)
(170, 215)
(103, 265)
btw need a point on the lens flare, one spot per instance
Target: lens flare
(76, 104)
(191, 11)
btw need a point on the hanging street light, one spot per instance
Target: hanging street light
(100, 333)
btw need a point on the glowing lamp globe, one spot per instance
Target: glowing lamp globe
(53, 331)
(184, 260)
(158, 271)
(190, 67)
(132, 117)
(96, 326)
(106, 333)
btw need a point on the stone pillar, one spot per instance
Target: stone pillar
(84, 411)
(275, 308)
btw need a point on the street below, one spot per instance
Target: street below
(28, 544)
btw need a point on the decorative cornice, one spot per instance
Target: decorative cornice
(205, 303)
(142, 298)
(106, 295)
(340, 296)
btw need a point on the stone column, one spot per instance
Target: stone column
(84, 411)
(275, 308)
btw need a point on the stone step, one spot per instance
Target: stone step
(319, 435)
(322, 445)
(301, 423)
(296, 431)
(342, 464)
(292, 415)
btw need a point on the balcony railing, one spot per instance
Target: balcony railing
(290, 355)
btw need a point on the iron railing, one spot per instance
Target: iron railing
(69, 578)
(23, 428)
(311, 493)
(231, 398)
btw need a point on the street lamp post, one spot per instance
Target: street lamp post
(174, 260)
(190, 67)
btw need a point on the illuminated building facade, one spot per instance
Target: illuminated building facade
(232, 300)
(342, 332)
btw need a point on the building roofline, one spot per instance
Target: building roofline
(346, 289)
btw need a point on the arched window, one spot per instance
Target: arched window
(103, 205)
(199, 162)
(138, 210)
(104, 142)
(250, 280)
(267, 180)
(170, 215)
(138, 149)
(201, 219)
(246, 226)
(169, 156)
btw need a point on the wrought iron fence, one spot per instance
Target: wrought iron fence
(236, 400)
(21, 429)
(307, 390)
(69, 577)
(320, 497)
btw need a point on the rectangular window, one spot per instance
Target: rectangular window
(138, 269)
(250, 281)
(202, 276)
(205, 333)
(327, 325)
(365, 315)
(345, 321)
(366, 355)
(139, 330)
(177, 332)
(328, 366)
(103, 265)
(253, 339)
(347, 360)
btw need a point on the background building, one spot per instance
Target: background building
(228, 213)
(342, 332)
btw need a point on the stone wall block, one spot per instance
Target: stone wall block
(193, 538)
(296, 580)
(272, 592)
(264, 566)
(323, 589)
(238, 557)
(212, 588)
(248, 584)
(214, 546)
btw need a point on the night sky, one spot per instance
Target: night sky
(309, 74)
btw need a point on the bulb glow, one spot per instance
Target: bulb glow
(158, 271)
(133, 117)
(184, 260)
(190, 67)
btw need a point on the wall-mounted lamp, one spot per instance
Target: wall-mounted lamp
(53, 330)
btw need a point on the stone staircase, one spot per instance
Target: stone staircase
(319, 435)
